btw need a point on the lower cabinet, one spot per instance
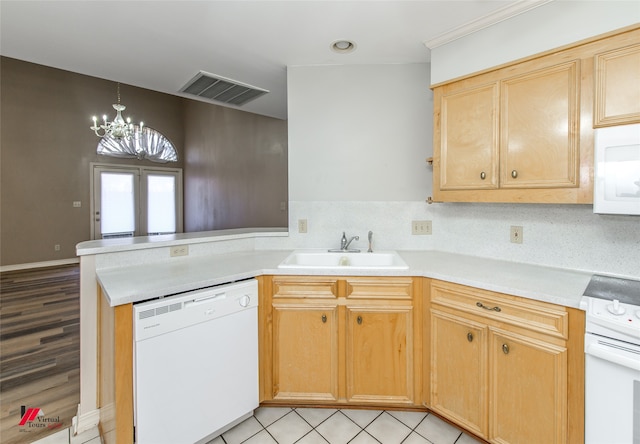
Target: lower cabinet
(305, 351)
(501, 367)
(459, 370)
(379, 354)
(527, 389)
(507, 369)
(341, 340)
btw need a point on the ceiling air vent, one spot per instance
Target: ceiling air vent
(212, 87)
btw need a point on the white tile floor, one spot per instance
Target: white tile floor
(66, 437)
(275, 425)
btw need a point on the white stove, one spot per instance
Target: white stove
(612, 360)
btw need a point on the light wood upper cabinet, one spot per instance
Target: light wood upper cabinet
(617, 86)
(540, 128)
(512, 136)
(470, 139)
(523, 132)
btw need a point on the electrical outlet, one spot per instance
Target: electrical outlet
(56, 247)
(420, 227)
(77, 204)
(302, 225)
(516, 234)
(179, 250)
(283, 206)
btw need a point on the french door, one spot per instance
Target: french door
(135, 201)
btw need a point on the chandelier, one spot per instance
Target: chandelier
(119, 128)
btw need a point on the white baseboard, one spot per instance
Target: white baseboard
(85, 422)
(73, 260)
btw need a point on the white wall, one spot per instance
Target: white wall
(360, 132)
(358, 137)
(549, 26)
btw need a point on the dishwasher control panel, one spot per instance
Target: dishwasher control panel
(164, 315)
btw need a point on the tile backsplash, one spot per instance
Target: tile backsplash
(567, 236)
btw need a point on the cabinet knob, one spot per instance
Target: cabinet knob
(483, 175)
(359, 319)
(514, 174)
(324, 318)
(505, 349)
(470, 337)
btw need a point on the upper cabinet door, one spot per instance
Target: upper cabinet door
(469, 142)
(540, 114)
(617, 87)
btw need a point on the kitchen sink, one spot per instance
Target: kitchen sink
(310, 259)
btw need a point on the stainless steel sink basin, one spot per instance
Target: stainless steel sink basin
(310, 259)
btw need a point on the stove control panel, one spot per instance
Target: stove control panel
(606, 317)
(615, 308)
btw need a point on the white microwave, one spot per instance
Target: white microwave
(616, 188)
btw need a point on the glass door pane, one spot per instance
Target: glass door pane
(117, 204)
(161, 204)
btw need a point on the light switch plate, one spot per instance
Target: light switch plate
(302, 225)
(516, 234)
(420, 227)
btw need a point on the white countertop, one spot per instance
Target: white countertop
(144, 242)
(142, 282)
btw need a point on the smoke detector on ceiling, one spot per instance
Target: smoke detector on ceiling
(220, 89)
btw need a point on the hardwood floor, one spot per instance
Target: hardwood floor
(39, 351)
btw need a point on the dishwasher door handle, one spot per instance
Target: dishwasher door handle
(205, 299)
(611, 355)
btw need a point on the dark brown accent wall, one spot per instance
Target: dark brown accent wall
(46, 149)
(235, 169)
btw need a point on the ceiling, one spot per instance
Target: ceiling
(161, 45)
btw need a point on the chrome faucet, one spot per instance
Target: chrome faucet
(344, 243)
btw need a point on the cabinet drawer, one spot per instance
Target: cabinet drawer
(303, 287)
(379, 288)
(538, 316)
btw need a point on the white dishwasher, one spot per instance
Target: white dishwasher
(195, 363)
